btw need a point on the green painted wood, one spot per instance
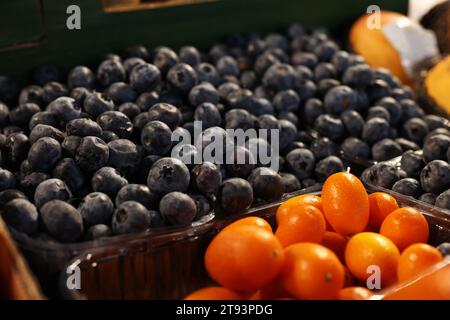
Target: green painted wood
(198, 24)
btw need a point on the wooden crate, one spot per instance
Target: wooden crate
(16, 280)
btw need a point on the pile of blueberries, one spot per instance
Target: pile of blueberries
(423, 174)
(87, 154)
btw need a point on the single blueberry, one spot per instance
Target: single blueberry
(328, 166)
(415, 129)
(168, 175)
(435, 177)
(301, 162)
(429, 198)
(375, 129)
(383, 175)
(182, 78)
(329, 126)
(96, 208)
(412, 163)
(443, 200)
(62, 221)
(386, 149)
(44, 154)
(145, 78)
(435, 148)
(267, 184)
(235, 196)
(21, 215)
(323, 147)
(408, 187)
(139, 193)
(92, 154)
(81, 76)
(110, 71)
(178, 209)
(51, 189)
(68, 171)
(109, 181)
(21, 115)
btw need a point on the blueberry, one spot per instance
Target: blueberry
(8, 90)
(241, 161)
(91, 154)
(323, 71)
(393, 107)
(358, 76)
(407, 144)
(290, 181)
(124, 156)
(51, 189)
(140, 121)
(363, 101)
(168, 175)
(383, 175)
(12, 129)
(182, 78)
(377, 90)
(202, 204)
(323, 147)
(109, 181)
(147, 99)
(64, 109)
(355, 148)
(79, 94)
(166, 113)
(68, 171)
(286, 101)
(306, 59)
(313, 109)
(21, 215)
(96, 208)
(429, 198)
(116, 122)
(327, 167)
(156, 138)
(267, 122)
(190, 55)
(301, 162)
(144, 167)
(412, 163)
(340, 61)
(21, 115)
(108, 136)
(138, 51)
(435, 177)
(96, 103)
(204, 92)
(132, 62)
(353, 123)
(52, 91)
(238, 119)
(291, 117)
(235, 196)
(44, 154)
(303, 73)
(207, 73)
(178, 208)
(386, 149)
(120, 92)
(434, 122)
(415, 129)
(207, 178)
(70, 145)
(62, 221)
(375, 129)
(7, 180)
(279, 77)
(30, 182)
(110, 71)
(435, 148)
(145, 78)
(81, 76)
(165, 58)
(444, 248)
(208, 114)
(227, 66)
(410, 109)
(266, 183)
(98, 231)
(129, 109)
(249, 80)
(408, 187)
(379, 112)
(443, 200)
(4, 115)
(10, 194)
(329, 126)
(288, 133)
(139, 193)
(325, 85)
(443, 131)
(46, 73)
(32, 94)
(83, 128)
(278, 41)
(326, 50)
(42, 117)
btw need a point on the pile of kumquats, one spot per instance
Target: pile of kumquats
(329, 247)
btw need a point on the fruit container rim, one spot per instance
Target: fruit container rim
(101, 254)
(384, 293)
(160, 235)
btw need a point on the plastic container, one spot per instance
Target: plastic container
(149, 269)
